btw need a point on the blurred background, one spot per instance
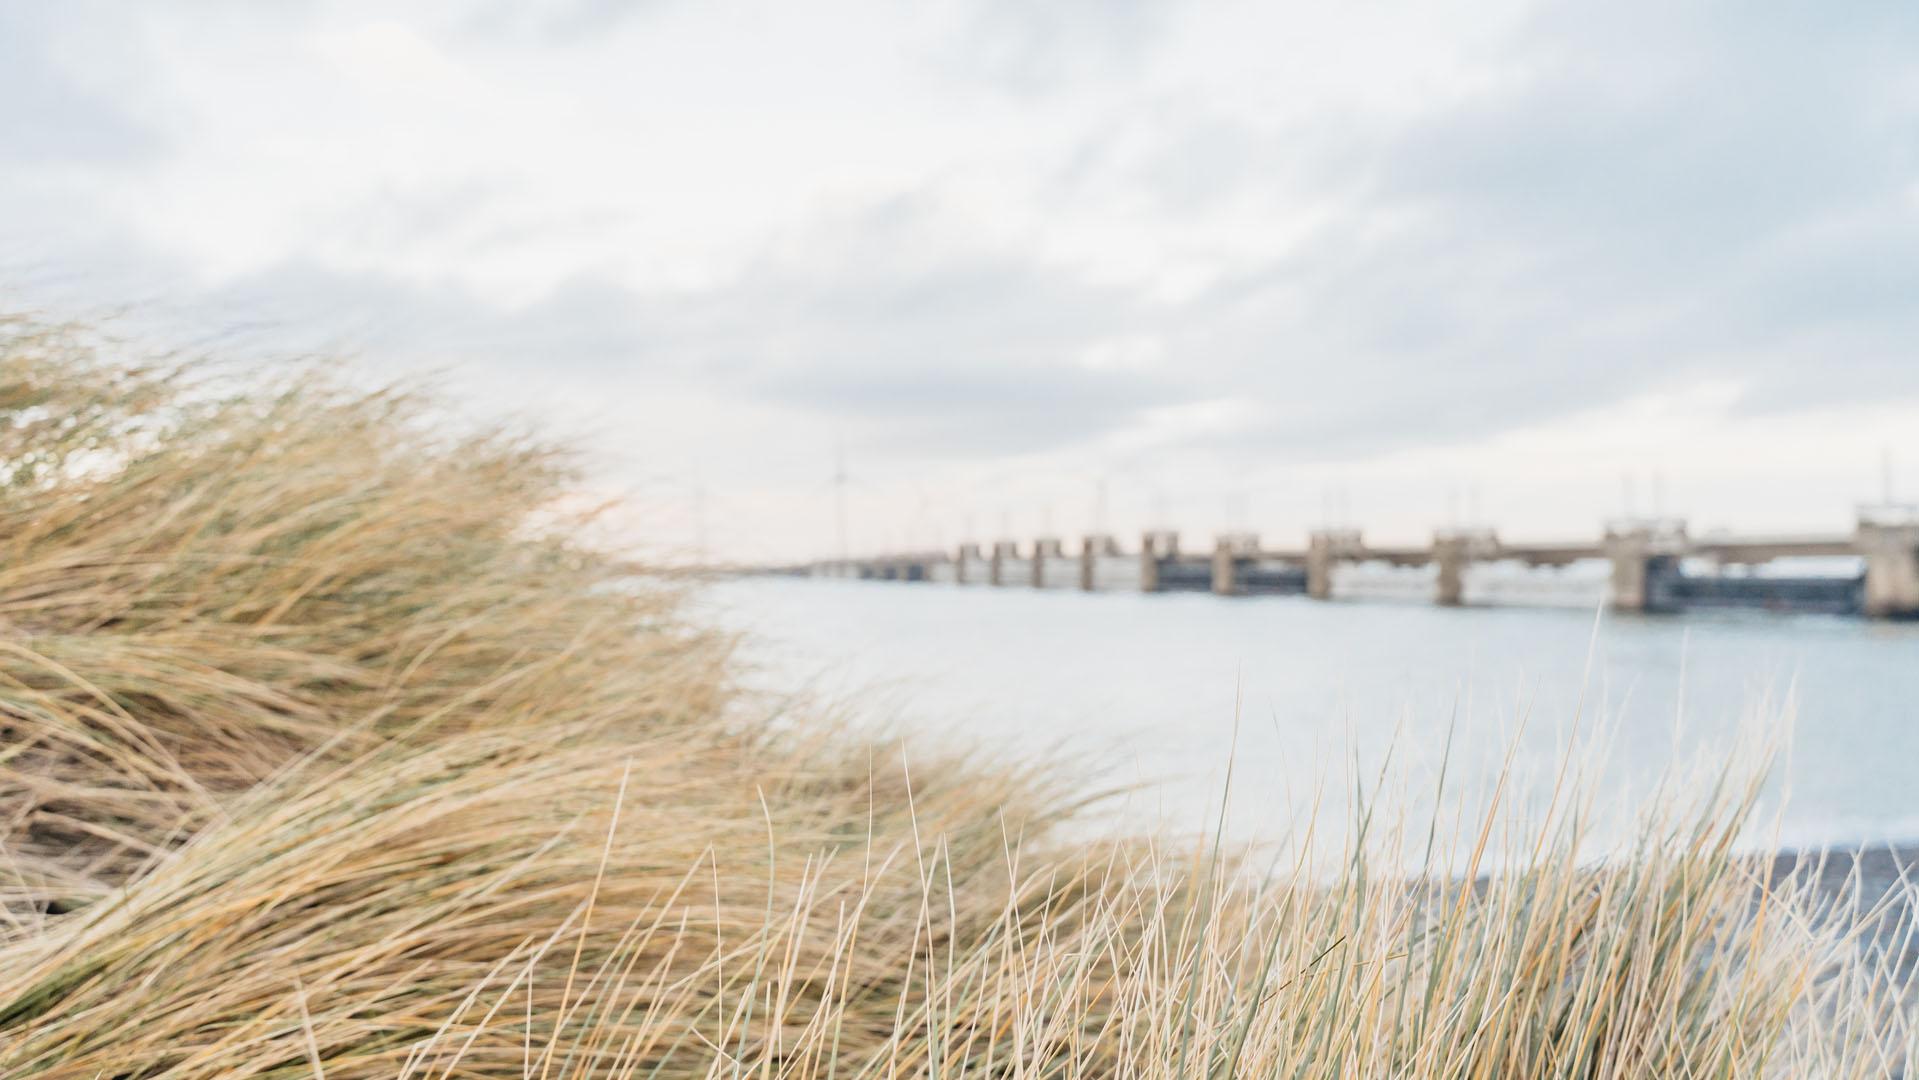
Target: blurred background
(977, 268)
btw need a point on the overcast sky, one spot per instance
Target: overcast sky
(1541, 262)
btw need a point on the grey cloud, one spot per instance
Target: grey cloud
(1658, 193)
(1182, 155)
(948, 349)
(978, 346)
(1033, 48)
(1661, 193)
(1698, 131)
(1682, 135)
(556, 21)
(47, 114)
(865, 320)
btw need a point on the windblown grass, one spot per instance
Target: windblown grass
(324, 751)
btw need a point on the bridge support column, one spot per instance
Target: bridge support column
(1319, 568)
(1453, 551)
(1891, 550)
(1044, 551)
(996, 568)
(970, 564)
(1629, 554)
(1639, 553)
(1096, 547)
(1154, 546)
(1324, 549)
(1225, 562)
(1227, 552)
(1450, 556)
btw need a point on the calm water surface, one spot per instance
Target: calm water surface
(1157, 692)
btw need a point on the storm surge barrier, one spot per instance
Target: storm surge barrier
(1635, 564)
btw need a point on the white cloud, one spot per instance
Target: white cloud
(1219, 254)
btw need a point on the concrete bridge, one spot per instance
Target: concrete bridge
(1645, 565)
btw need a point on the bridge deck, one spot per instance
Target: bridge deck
(1650, 566)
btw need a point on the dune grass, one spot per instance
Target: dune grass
(325, 750)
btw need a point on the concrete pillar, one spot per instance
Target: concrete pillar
(1095, 547)
(969, 558)
(1225, 562)
(1453, 551)
(1891, 550)
(1155, 545)
(1228, 550)
(1638, 553)
(995, 570)
(1629, 552)
(1319, 568)
(1324, 549)
(1044, 551)
(1449, 555)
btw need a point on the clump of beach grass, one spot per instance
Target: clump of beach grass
(327, 750)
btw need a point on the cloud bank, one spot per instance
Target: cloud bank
(979, 240)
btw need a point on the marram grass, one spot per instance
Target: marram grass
(324, 751)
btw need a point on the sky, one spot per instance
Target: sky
(1014, 268)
